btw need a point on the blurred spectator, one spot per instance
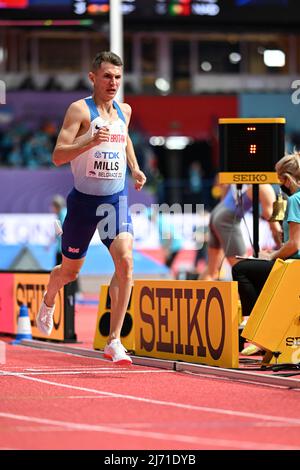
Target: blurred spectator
(195, 182)
(21, 147)
(201, 246)
(15, 157)
(155, 179)
(225, 235)
(170, 238)
(50, 129)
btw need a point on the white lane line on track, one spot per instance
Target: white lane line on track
(43, 398)
(222, 411)
(110, 371)
(74, 397)
(232, 444)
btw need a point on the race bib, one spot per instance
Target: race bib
(107, 161)
(105, 164)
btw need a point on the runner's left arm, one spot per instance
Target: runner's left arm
(137, 174)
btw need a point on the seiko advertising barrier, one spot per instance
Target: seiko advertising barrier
(27, 288)
(274, 323)
(192, 321)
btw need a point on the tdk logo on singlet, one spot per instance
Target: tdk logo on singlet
(108, 155)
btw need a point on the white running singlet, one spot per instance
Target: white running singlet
(101, 170)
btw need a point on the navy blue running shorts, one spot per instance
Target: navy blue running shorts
(86, 213)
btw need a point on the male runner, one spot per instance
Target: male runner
(94, 139)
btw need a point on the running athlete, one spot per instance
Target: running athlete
(94, 139)
(225, 234)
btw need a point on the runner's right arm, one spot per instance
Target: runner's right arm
(66, 149)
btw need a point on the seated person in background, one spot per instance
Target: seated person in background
(252, 274)
(225, 234)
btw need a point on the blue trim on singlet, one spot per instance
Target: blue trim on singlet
(94, 113)
(119, 111)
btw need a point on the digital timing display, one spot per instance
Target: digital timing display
(250, 147)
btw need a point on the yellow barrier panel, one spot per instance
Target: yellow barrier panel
(248, 177)
(279, 120)
(103, 322)
(193, 321)
(274, 323)
(29, 289)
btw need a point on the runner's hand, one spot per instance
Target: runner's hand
(139, 179)
(101, 135)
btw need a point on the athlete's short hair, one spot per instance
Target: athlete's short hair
(106, 56)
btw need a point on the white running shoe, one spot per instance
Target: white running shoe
(44, 318)
(117, 353)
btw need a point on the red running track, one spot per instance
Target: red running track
(53, 400)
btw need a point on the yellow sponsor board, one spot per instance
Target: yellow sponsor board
(103, 322)
(280, 120)
(28, 290)
(194, 321)
(289, 347)
(274, 323)
(238, 177)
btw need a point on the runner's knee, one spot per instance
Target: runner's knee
(125, 266)
(69, 275)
